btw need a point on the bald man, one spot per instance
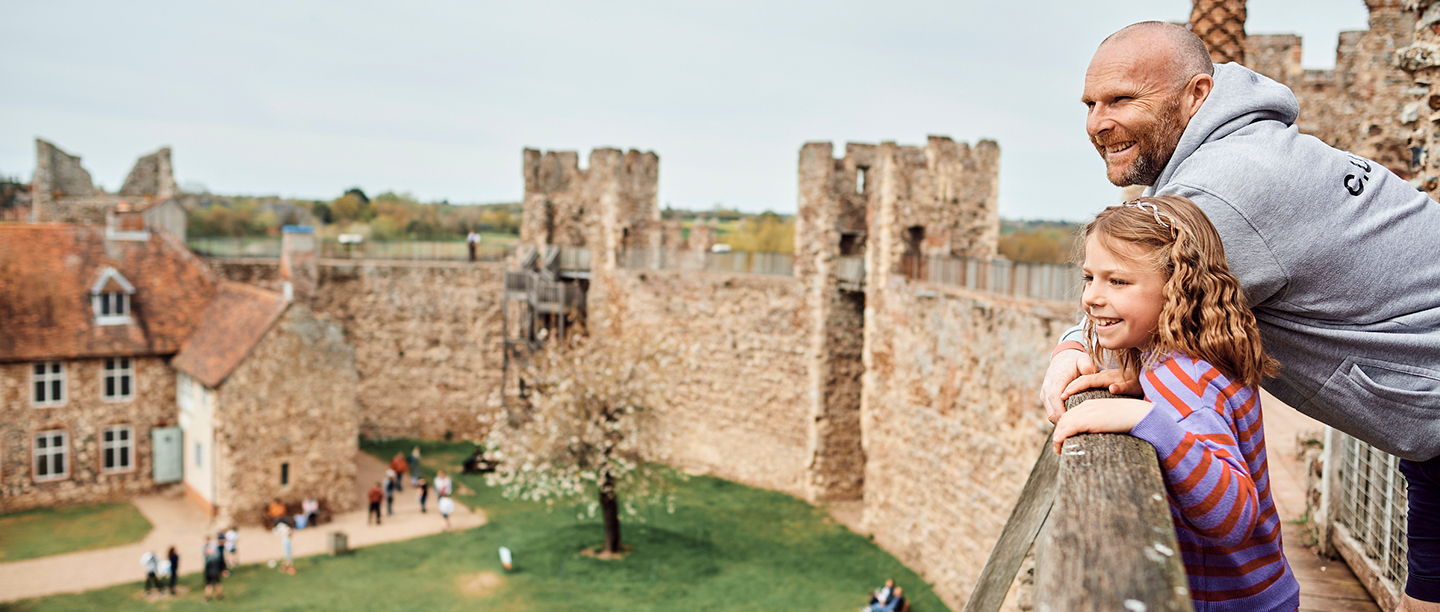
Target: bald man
(1339, 257)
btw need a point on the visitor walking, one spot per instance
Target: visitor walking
(148, 562)
(442, 484)
(232, 539)
(214, 570)
(423, 493)
(375, 495)
(389, 492)
(174, 559)
(400, 465)
(311, 508)
(287, 549)
(446, 506)
(472, 241)
(413, 462)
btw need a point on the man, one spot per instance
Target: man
(214, 569)
(472, 240)
(1335, 253)
(880, 597)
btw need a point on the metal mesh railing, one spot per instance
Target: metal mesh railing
(1372, 505)
(1059, 282)
(743, 262)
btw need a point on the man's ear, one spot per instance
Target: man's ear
(1197, 91)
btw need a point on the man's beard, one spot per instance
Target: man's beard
(1153, 148)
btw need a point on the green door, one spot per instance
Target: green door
(166, 444)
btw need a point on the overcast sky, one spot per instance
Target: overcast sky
(306, 99)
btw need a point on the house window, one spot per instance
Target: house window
(117, 448)
(198, 455)
(110, 297)
(49, 462)
(119, 378)
(284, 474)
(49, 383)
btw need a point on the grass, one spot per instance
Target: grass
(54, 531)
(726, 547)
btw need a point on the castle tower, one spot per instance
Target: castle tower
(1221, 24)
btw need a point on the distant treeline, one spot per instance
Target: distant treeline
(388, 216)
(1038, 241)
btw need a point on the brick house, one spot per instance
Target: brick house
(127, 366)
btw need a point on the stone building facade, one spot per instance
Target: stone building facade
(127, 366)
(62, 191)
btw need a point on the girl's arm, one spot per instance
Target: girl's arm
(1204, 471)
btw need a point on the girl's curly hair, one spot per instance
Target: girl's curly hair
(1204, 315)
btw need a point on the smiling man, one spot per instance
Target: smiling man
(1337, 255)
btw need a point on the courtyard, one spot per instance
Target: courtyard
(725, 547)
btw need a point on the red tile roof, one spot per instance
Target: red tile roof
(232, 325)
(47, 270)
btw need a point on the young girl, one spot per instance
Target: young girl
(1161, 303)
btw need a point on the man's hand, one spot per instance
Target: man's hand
(1065, 368)
(1110, 415)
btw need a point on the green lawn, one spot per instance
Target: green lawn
(726, 547)
(53, 531)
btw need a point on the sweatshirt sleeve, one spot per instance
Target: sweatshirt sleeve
(1204, 469)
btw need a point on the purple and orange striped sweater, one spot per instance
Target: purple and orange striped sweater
(1208, 434)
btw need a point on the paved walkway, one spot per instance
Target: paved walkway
(179, 524)
(1325, 585)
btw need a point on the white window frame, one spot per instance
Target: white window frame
(39, 455)
(122, 448)
(111, 307)
(52, 372)
(122, 371)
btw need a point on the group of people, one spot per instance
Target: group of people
(888, 598)
(307, 517)
(218, 553)
(386, 490)
(1259, 255)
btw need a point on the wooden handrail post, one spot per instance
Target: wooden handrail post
(1109, 543)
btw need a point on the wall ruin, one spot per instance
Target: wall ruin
(1358, 105)
(427, 339)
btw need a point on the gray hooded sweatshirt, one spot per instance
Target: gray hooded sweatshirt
(1339, 259)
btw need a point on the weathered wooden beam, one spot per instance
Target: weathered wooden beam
(1017, 536)
(1109, 543)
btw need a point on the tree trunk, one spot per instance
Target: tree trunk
(610, 512)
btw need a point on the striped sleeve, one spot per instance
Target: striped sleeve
(1204, 469)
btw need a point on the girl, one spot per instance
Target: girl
(1161, 303)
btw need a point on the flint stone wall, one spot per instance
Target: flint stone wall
(84, 416)
(292, 400)
(427, 339)
(952, 421)
(739, 409)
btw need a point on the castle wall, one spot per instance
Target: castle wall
(84, 416)
(427, 339)
(291, 401)
(952, 421)
(1358, 105)
(740, 409)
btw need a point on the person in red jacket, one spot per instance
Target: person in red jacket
(375, 496)
(400, 465)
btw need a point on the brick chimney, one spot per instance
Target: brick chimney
(298, 266)
(1221, 24)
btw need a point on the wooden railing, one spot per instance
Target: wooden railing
(1100, 525)
(1043, 281)
(743, 262)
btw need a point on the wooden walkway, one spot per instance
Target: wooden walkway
(1325, 585)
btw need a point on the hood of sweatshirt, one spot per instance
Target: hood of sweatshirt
(1248, 97)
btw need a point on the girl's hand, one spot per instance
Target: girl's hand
(1112, 380)
(1110, 415)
